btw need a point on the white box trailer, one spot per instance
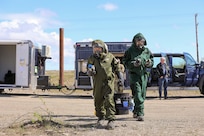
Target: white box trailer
(18, 67)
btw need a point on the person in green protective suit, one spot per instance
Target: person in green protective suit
(103, 66)
(136, 59)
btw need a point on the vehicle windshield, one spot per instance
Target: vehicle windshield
(178, 62)
(156, 61)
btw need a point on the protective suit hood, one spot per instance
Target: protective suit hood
(101, 44)
(139, 36)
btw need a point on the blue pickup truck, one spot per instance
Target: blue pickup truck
(185, 71)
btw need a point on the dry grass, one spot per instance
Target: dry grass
(69, 76)
(54, 77)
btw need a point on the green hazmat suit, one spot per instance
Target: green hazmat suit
(137, 73)
(103, 81)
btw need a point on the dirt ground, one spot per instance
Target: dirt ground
(72, 113)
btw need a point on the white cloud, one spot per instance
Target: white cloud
(109, 6)
(87, 40)
(32, 27)
(126, 40)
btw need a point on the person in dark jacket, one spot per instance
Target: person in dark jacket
(136, 59)
(163, 74)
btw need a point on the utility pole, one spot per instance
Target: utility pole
(61, 42)
(196, 28)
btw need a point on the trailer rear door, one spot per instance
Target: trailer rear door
(22, 64)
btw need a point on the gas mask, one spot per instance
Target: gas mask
(98, 54)
(139, 42)
(97, 51)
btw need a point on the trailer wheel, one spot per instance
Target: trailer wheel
(201, 85)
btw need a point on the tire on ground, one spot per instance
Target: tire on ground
(201, 85)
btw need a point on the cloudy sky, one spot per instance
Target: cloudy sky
(169, 26)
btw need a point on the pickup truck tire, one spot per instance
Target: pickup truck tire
(201, 85)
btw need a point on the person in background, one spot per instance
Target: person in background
(137, 58)
(119, 83)
(103, 66)
(163, 74)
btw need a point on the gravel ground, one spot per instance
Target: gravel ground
(72, 113)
